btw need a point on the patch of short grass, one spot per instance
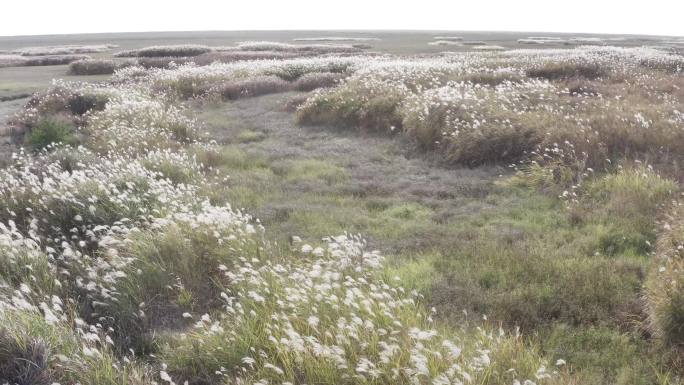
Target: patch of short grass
(230, 158)
(507, 265)
(248, 136)
(414, 272)
(603, 355)
(314, 170)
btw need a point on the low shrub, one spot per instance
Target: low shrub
(162, 62)
(80, 104)
(312, 81)
(93, 67)
(665, 283)
(28, 346)
(49, 132)
(39, 351)
(11, 60)
(126, 125)
(628, 201)
(63, 49)
(294, 102)
(274, 333)
(233, 56)
(355, 105)
(491, 78)
(174, 270)
(567, 70)
(669, 63)
(491, 144)
(539, 286)
(317, 49)
(446, 43)
(53, 60)
(262, 85)
(166, 51)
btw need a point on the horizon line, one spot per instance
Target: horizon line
(334, 30)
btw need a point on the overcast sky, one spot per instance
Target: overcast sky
(37, 17)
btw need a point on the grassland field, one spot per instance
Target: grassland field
(527, 208)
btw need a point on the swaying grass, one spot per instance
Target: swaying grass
(664, 294)
(135, 277)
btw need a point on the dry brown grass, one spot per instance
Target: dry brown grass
(166, 51)
(566, 70)
(312, 81)
(32, 61)
(263, 85)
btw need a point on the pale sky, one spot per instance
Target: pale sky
(37, 17)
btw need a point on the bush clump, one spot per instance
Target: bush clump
(566, 70)
(262, 85)
(665, 283)
(355, 105)
(233, 56)
(312, 81)
(53, 60)
(94, 67)
(166, 51)
(80, 104)
(628, 201)
(51, 131)
(162, 62)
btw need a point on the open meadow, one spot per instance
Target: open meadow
(419, 208)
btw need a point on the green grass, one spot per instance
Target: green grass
(602, 355)
(247, 136)
(499, 260)
(576, 291)
(313, 170)
(51, 131)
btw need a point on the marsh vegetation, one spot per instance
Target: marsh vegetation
(304, 213)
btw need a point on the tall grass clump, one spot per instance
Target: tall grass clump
(356, 104)
(163, 62)
(94, 67)
(192, 81)
(49, 132)
(62, 101)
(665, 283)
(566, 70)
(256, 86)
(629, 201)
(44, 351)
(63, 49)
(312, 48)
(166, 51)
(312, 81)
(234, 56)
(53, 60)
(357, 336)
